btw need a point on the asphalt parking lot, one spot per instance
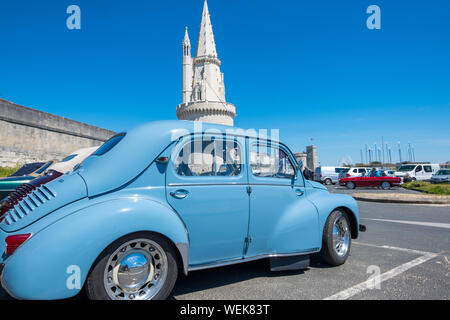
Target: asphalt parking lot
(405, 246)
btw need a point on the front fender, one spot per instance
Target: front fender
(39, 269)
(326, 203)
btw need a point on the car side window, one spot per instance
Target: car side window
(419, 168)
(362, 170)
(267, 161)
(355, 170)
(209, 157)
(427, 169)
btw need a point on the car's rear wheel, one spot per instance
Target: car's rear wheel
(328, 181)
(336, 238)
(351, 185)
(140, 266)
(385, 185)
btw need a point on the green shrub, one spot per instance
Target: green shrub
(441, 188)
(6, 171)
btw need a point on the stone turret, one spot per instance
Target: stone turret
(203, 82)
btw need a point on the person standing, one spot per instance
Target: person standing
(309, 175)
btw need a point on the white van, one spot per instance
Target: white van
(328, 175)
(417, 171)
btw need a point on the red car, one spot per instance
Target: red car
(383, 182)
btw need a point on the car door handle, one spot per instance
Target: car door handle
(299, 192)
(179, 194)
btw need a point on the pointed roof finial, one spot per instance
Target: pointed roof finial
(206, 45)
(186, 40)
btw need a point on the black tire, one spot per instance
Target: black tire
(351, 185)
(95, 287)
(385, 185)
(328, 252)
(328, 181)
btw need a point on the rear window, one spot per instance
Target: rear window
(42, 169)
(27, 169)
(108, 145)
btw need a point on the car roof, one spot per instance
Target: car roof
(126, 160)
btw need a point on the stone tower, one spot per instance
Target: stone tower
(203, 84)
(312, 159)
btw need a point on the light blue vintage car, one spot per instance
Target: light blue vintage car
(165, 197)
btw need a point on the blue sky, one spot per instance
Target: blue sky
(309, 68)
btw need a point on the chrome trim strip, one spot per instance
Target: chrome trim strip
(206, 184)
(232, 183)
(258, 257)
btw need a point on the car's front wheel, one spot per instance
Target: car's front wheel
(140, 266)
(385, 185)
(351, 185)
(336, 238)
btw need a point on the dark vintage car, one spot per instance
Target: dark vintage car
(24, 175)
(385, 182)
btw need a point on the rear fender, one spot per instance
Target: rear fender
(42, 266)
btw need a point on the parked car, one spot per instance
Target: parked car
(419, 171)
(389, 172)
(32, 171)
(136, 211)
(52, 172)
(328, 175)
(442, 176)
(383, 182)
(76, 157)
(25, 174)
(355, 172)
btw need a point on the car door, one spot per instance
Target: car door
(363, 180)
(207, 186)
(419, 172)
(282, 219)
(428, 172)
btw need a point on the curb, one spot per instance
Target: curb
(404, 201)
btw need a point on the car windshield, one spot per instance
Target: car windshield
(27, 169)
(68, 158)
(443, 173)
(406, 168)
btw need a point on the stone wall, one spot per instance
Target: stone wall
(28, 135)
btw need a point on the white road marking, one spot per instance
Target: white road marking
(419, 223)
(393, 248)
(350, 292)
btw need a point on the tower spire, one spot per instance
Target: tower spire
(203, 84)
(186, 41)
(206, 45)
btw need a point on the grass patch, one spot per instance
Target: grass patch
(6, 171)
(441, 188)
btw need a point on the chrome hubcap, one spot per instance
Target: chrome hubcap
(341, 236)
(136, 271)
